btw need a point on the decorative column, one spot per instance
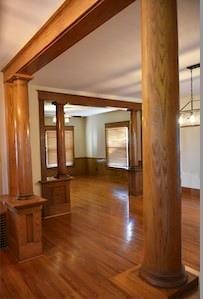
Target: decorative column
(61, 152)
(133, 138)
(24, 208)
(23, 149)
(135, 169)
(57, 189)
(162, 264)
(161, 274)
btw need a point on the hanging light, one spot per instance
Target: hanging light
(189, 115)
(66, 119)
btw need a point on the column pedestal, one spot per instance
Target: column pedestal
(57, 192)
(135, 180)
(23, 208)
(24, 226)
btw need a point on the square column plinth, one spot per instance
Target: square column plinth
(25, 226)
(57, 193)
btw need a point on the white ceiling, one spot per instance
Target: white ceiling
(108, 61)
(19, 21)
(77, 110)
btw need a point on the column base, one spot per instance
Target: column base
(24, 226)
(164, 281)
(135, 181)
(136, 287)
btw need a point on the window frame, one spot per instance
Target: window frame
(117, 125)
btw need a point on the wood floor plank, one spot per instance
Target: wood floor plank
(85, 249)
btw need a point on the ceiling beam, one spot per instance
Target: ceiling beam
(74, 20)
(86, 100)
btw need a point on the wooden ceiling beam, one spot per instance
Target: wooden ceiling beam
(74, 20)
(86, 100)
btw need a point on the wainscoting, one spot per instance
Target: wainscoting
(93, 167)
(97, 167)
(191, 191)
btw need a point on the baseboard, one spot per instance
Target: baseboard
(191, 191)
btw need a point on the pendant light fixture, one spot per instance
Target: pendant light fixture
(190, 112)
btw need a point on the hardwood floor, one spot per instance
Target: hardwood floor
(85, 249)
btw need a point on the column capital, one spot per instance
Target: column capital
(57, 103)
(19, 76)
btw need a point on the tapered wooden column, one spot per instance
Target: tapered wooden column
(24, 208)
(23, 150)
(133, 139)
(61, 152)
(57, 190)
(135, 170)
(162, 264)
(161, 274)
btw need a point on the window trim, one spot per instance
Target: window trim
(117, 125)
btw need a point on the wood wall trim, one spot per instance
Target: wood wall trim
(191, 191)
(86, 100)
(117, 124)
(73, 21)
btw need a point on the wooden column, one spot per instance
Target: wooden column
(61, 152)
(133, 139)
(162, 264)
(24, 208)
(19, 152)
(135, 170)
(57, 190)
(161, 274)
(23, 150)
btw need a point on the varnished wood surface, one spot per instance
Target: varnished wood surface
(133, 139)
(162, 263)
(11, 140)
(85, 249)
(85, 100)
(57, 193)
(19, 151)
(60, 133)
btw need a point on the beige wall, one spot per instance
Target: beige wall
(95, 132)
(190, 152)
(190, 157)
(3, 147)
(189, 142)
(79, 124)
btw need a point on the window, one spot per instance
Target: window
(117, 147)
(51, 146)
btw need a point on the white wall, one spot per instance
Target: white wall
(79, 124)
(190, 157)
(3, 141)
(190, 151)
(95, 131)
